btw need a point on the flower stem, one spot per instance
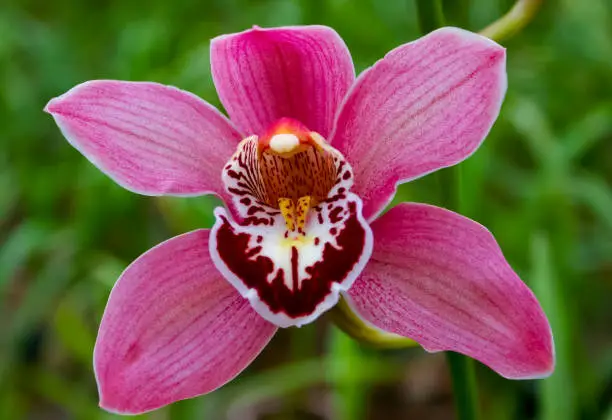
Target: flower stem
(464, 385)
(356, 328)
(430, 14)
(512, 22)
(461, 367)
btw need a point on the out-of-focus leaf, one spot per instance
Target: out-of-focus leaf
(70, 328)
(596, 195)
(183, 215)
(557, 392)
(283, 380)
(69, 396)
(586, 132)
(531, 122)
(36, 305)
(22, 242)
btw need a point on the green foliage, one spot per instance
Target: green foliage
(541, 183)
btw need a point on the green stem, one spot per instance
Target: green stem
(430, 14)
(349, 398)
(464, 385)
(356, 328)
(302, 347)
(512, 22)
(461, 368)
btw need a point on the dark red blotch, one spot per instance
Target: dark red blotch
(333, 268)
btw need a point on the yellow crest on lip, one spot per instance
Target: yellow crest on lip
(295, 213)
(287, 209)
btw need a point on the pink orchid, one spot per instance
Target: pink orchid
(310, 158)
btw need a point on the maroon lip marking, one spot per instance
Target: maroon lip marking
(234, 174)
(258, 221)
(334, 215)
(333, 198)
(306, 293)
(237, 191)
(255, 209)
(295, 281)
(252, 252)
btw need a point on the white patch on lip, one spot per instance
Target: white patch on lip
(284, 143)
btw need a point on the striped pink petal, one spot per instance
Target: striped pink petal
(173, 328)
(426, 105)
(150, 138)
(441, 279)
(263, 75)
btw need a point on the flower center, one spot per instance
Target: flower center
(293, 170)
(284, 144)
(299, 238)
(295, 163)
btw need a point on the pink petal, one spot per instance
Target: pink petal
(173, 329)
(426, 105)
(263, 75)
(441, 279)
(150, 138)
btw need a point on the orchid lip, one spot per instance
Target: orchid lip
(301, 238)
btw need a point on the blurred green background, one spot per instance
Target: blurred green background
(541, 182)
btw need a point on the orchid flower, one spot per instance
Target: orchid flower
(307, 161)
